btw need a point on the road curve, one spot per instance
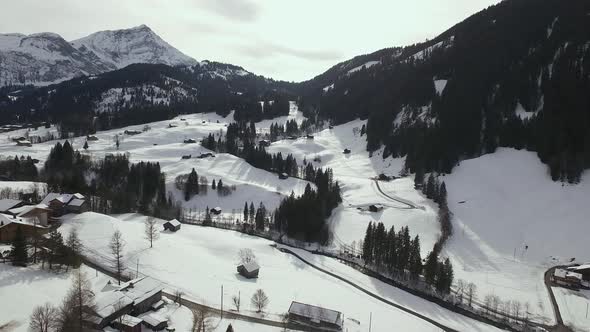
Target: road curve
(410, 204)
(395, 305)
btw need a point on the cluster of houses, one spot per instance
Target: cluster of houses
(128, 306)
(36, 218)
(576, 277)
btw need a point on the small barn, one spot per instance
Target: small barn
(172, 225)
(264, 143)
(216, 210)
(189, 141)
(187, 156)
(375, 207)
(346, 151)
(583, 269)
(315, 316)
(24, 143)
(154, 321)
(91, 138)
(206, 155)
(309, 136)
(567, 278)
(283, 176)
(249, 270)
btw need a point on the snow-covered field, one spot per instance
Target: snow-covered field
(512, 223)
(355, 171)
(573, 306)
(199, 260)
(21, 289)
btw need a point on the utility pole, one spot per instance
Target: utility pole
(137, 269)
(586, 310)
(370, 321)
(221, 301)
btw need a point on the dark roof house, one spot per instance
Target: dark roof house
(249, 270)
(172, 225)
(315, 316)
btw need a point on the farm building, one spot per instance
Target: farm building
(309, 136)
(315, 316)
(133, 298)
(188, 156)
(128, 323)
(91, 138)
(206, 155)
(283, 176)
(8, 204)
(249, 270)
(10, 224)
(264, 143)
(154, 321)
(375, 207)
(189, 141)
(567, 278)
(172, 225)
(346, 151)
(37, 214)
(584, 270)
(61, 204)
(216, 210)
(132, 132)
(24, 143)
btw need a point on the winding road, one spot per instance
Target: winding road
(410, 204)
(559, 327)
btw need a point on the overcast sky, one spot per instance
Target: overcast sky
(289, 40)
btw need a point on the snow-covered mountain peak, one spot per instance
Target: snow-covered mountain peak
(139, 44)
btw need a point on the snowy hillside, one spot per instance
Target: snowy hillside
(46, 58)
(140, 44)
(512, 223)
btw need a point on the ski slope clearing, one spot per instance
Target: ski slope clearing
(198, 260)
(512, 223)
(355, 172)
(573, 306)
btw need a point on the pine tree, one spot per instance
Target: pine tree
(415, 263)
(368, 245)
(431, 267)
(252, 212)
(213, 185)
(85, 147)
(442, 195)
(418, 178)
(219, 185)
(444, 278)
(430, 187)
(18, 250)
(245, 211)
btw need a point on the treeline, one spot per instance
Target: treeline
(117, 186)
(19, 169)
(398, 254)
(537, 64)
(304, 217)
(257, 216)
(191, 185)
(437, 191)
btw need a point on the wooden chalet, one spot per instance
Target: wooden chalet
(10, 224)
(315, 317)
(172, 225)
(61, 204)
(249, 270)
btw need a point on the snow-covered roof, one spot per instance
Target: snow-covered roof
(217, 208)
(251, 266)
(135, 291)
(23, 211)
(76, 202)
(130, 321)
(174, 222)
(7, 204)
(6, 220)
(562, 273)
(153, 319)
(579, 267)
(315, 313)
(64, 198)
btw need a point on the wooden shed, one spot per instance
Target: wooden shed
(172, 225)
(249, 270)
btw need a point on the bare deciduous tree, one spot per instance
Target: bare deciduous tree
(45, 318)
(246, 255)
(178, 296)
(116, 246)
(471, 293)
(236, 301)
(79, 298)
(259, 300)
(200, 319)
(151, 230)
